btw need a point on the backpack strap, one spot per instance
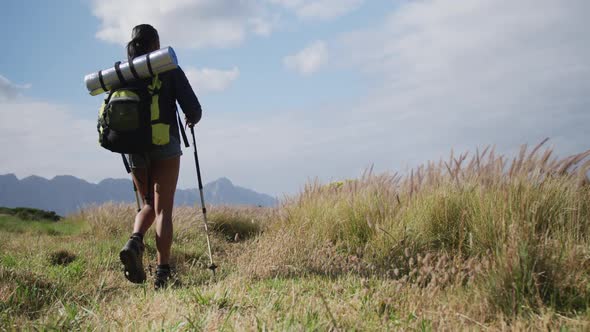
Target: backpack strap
(149, 64)
(119, 73)
(133, 71)
(182, 131)
(109, 96)
(101, 81)
(154, 87)
(126, 163)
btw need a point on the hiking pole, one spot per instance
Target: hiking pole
(136, 197)
(128, 169)
(212, 267)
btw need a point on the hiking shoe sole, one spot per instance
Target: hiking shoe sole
(133, 266)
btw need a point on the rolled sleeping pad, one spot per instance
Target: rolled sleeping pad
(144, 66)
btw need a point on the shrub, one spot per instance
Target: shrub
(30, 214)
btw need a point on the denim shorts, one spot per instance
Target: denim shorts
(161, 152)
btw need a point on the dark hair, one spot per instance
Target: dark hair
(143, 37)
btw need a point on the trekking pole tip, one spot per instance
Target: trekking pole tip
(212, 267)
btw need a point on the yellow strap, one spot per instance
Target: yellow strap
(154, 90)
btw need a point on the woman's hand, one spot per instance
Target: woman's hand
(188, 122)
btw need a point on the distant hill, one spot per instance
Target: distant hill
(65, 194)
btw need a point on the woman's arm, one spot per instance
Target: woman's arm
(186, 98)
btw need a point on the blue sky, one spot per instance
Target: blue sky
(298, 89)
(55, 44)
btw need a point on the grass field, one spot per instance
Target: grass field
(12, 224)
(479, 243)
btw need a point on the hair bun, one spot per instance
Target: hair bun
(142, 37)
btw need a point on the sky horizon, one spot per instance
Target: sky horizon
(294, 90)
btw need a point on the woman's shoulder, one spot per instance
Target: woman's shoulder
(172, 75)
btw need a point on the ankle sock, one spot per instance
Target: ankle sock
(164, 267)
(138, 236)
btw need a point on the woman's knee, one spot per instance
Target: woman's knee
(164, 198)
(164, 216)
(148, 210)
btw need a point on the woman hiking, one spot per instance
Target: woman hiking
(163, 162)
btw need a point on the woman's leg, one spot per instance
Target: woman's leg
(132, 253)
(145, 217)
(165, 176)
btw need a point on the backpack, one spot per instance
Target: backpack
(128, 118)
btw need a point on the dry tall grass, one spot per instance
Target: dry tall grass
(482, 243)
(516, 231)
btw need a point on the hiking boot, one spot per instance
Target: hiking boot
(132, 258)
(162, 277)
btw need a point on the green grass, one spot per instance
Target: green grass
(13, 224)
(465, 244)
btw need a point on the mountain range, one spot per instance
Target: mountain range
(65, 194)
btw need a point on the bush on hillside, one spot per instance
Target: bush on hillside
(30, 214)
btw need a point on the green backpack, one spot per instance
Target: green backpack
(129, 118)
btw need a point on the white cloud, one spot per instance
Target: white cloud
(320, 9)
(48, 139)
(207, 23)
(184, 23)
(9, 90)
(211, 80)
(309, 60)
(472, 73)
